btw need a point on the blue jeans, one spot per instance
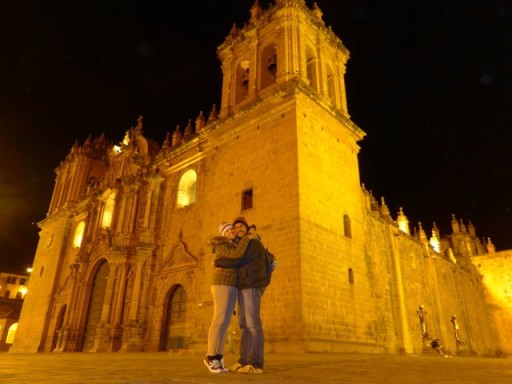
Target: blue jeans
(251, 339)
(224, 300)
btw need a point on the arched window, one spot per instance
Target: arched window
(268, 66)
(311, 62)
(347, 231)
(11, 333)
(79, 233)
(331, 85)
(242, 81)
(187, 189)
(108, 211)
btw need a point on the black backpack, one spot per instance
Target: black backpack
(270, 260)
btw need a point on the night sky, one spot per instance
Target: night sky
(430, 82)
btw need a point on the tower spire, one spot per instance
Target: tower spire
(434, 240)
(455, 225)
(256, 11)
(490, 247)
(384, 210)
(317, 11)
(403, 222)
(421, 233)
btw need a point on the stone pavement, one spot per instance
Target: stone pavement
(160, 368)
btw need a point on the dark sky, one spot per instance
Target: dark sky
(429, 81)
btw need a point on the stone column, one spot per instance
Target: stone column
(134, 330)
(67, 334)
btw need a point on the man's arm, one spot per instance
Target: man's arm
(250, 254)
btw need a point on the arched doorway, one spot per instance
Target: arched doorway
(11, 332)
(96, 300)
(173, 335)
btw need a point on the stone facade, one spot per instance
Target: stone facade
(123, 263)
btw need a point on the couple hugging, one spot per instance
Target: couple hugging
(242, 270)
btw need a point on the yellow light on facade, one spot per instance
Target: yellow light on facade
(11, 333)
(79, 233)
(403, 222)
(187, 189)
(435, 243)
(403, 226)
(23, 291)
(108, 212)
(126, 139)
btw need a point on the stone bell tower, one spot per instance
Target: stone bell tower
(284, 102)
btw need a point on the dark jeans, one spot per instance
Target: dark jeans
(251, 339)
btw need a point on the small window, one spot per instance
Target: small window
(247, 199)
(347, 230)
(350, 276)
(22, 281)
(19, 295)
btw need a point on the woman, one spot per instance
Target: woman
(224, 291)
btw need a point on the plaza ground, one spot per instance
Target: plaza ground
(311, 368)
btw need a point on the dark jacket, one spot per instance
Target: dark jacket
(252, 272)
(223, 247)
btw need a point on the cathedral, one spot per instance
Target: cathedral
(123, 262)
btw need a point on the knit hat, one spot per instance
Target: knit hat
(241, 219)
(224, 227)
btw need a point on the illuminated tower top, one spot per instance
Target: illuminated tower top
(403, 222)
(286, 42)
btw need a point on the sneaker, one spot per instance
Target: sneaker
(214, 366)
(224, 369)
(249, 369)
(235, 367)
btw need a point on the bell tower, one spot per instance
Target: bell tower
(288, 42)
(284, 127)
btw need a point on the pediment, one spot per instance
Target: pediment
(179, 258)
(91, 251)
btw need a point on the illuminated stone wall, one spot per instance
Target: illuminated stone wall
(497, 280)
(47, 271)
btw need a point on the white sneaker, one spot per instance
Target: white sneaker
(214, 366)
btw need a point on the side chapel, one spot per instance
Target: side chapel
(123, 262)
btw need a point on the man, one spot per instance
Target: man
(252, 275)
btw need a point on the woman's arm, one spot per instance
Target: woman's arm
(230, 252)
